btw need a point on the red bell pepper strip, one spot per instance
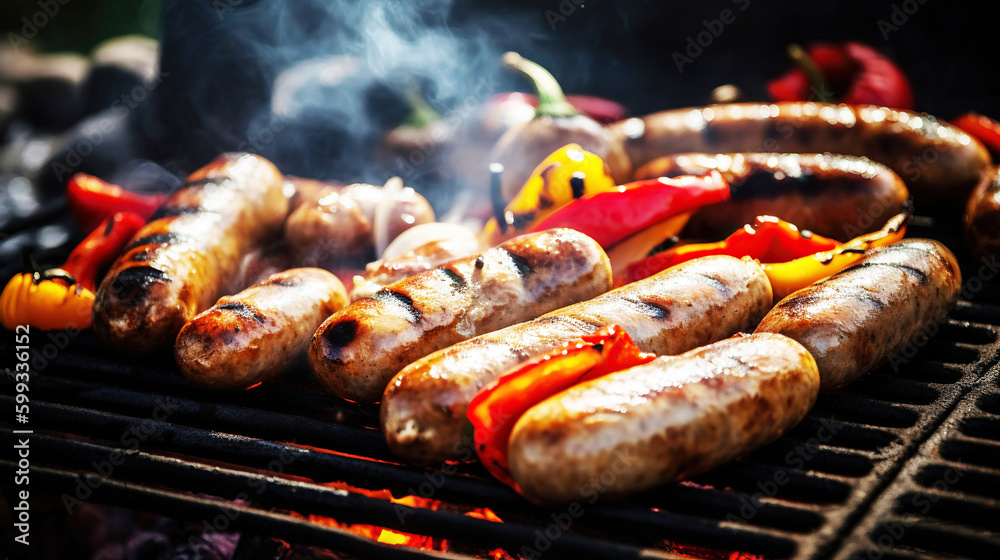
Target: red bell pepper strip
(860, 73)
(92, 200)
(768, 239)
(496, 408)
(102, 246)
(982, 127)
(609, 217)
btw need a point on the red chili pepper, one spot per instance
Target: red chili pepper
(496, 408)
(982, 127)
(609, 217)
(768, 239)
(601, 110)
(101, 247)
(92, 200)
(861, 74)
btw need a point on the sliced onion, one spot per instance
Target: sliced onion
(383, 213)
(427, 233)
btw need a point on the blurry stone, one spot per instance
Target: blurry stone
(118, 67)
(50, 86)
(100, 145)
(8, 107)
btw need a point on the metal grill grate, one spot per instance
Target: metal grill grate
(826, 489)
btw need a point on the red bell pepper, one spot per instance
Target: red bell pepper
(496, 408)
(92, 200)
(982, 127)
(61, 298)
(609, 217)
(768, 239)
(859, 73)
(102, 246)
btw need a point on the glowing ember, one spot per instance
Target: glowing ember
(389, 536)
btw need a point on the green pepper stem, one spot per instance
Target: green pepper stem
(551, 100)
(421, 113)
(802, 59)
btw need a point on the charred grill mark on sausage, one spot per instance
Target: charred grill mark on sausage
(243, 310)
(400, 300)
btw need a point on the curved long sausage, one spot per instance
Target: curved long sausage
(670, 419)
(982, 216)
(835, 196)
(250, 337)
(700, 301)
(180, 262)
(858, 318)
(358, 350)
(939, 162)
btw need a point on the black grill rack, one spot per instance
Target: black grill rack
(136, 434)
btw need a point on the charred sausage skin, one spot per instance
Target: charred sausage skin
(254, 335)
(664, 421)
(835, 196)
(357, 351)
(428, 256)
(701, 301)
(982, 216)
(938, 162)
(180, 262)
(856, 319)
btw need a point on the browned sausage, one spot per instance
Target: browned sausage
(982, 216)
(254, 335)
(859, 317)
(937, 161)
(381, 273)
(700, 301)
(358, 350)
(336, 224)
(180, 262)
(835, 196)
(664, 421)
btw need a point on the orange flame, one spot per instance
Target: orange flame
(393, 537)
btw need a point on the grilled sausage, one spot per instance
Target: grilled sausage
(982, 216)
(335, 224)
(358, 350)
(835, 196)
(861, 316)
(381, 273)
(937, 161)
(179, 263)
(254, 335)
(664, 421)
(701, 301)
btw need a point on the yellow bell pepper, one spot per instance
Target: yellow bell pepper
(791, 276)
(566, 174)
(46, 304)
